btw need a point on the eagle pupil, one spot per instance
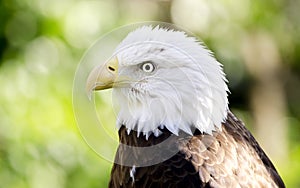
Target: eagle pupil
(147, 67)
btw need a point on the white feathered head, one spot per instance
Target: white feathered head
(164, 78)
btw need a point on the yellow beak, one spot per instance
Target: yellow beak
(103, 76)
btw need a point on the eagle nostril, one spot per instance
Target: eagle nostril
(111, 68)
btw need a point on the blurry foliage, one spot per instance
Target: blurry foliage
(41, 43)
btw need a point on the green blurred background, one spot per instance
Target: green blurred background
(42, 42)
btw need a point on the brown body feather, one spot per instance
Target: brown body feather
(230, 157)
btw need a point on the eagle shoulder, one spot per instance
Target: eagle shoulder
(231, 157)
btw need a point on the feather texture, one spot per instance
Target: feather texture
(230, 157)
(187, 90)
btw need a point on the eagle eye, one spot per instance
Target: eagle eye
(147, 66)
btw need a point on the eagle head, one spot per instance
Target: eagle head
(164, 78)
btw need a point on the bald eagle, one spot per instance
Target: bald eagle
(175, 127)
